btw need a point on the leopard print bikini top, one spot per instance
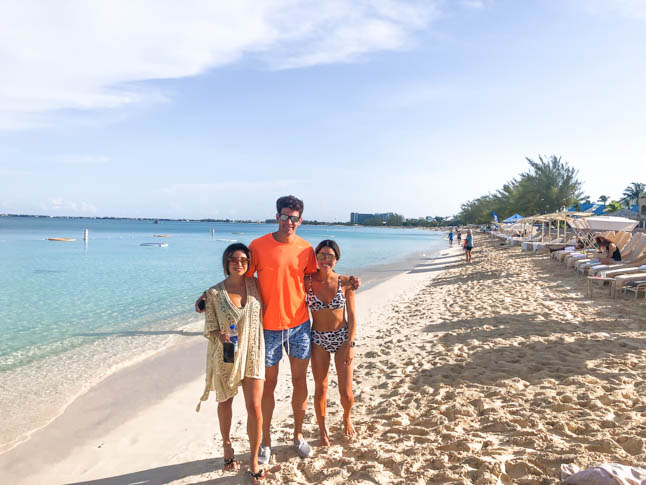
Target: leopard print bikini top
(316, 304)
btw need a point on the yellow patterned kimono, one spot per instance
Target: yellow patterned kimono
(249, 361)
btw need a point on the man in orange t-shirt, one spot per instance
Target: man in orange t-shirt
(281, 259)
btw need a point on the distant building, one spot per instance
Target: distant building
(357, 218)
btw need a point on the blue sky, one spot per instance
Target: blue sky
(214, 109)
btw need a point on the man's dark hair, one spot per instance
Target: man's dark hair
(290, 202)
(232, 248)
(329, 243)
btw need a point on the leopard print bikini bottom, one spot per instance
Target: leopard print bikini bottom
(330, 341)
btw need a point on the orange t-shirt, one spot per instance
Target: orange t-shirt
(281, 269)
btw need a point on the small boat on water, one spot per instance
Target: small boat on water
(159, 245)
(161, 235)
(63, 239)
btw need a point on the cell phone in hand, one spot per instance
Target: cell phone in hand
(228, 352)
(201, 304)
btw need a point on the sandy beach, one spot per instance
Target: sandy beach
(495, 372)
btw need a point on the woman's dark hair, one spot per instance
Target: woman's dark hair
(328, 243)
(603, 242)
(290, 202)
(232, 248)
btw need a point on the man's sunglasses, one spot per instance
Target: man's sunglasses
(285, 217)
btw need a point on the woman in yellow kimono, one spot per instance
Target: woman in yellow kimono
(236, 304)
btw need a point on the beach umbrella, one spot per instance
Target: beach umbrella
(514, 218)
(610, 223)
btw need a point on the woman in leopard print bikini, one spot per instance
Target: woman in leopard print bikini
(332, 333)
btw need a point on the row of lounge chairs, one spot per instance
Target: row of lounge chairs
(629, 274)
(626, 274)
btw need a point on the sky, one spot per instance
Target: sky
(204, 109)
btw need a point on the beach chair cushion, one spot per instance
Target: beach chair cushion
(621, 280)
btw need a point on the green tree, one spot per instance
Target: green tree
(603, 199)
(614, 206)
(632, 193)
(548, 186)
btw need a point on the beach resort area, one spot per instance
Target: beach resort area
(506, 370)
(338, 242)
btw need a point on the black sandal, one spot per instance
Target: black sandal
(230, 464)
(257, 476)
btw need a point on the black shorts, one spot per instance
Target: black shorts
(468, 248)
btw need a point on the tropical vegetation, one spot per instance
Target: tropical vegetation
(549, 185)
(633, 193)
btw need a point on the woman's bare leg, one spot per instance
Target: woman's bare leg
(345, 390)
(320, 370)
(252, 389)
(225, 413)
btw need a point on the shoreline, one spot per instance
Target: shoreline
(499, 371)
(373, 276)
(28, 421)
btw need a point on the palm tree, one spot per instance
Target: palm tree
(603, 199)
(633, 193)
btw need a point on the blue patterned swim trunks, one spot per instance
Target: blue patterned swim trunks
(297, 342)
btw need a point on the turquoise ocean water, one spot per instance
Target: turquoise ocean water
(69, 308)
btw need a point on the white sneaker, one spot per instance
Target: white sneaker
(302, 448)
(264, 454)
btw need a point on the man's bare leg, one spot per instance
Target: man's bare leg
(299, 393)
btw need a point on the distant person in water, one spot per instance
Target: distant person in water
(468, 245)
(451, 237)
(330, 298)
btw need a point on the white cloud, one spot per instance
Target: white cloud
(477, 4)
(90, 55)
(84, 159)
(58, 204)
(626, 8)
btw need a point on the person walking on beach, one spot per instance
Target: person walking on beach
(459, 235)
(468, 245)
(451, 238)
(234, 307)
(332, 334)
(281, 259)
